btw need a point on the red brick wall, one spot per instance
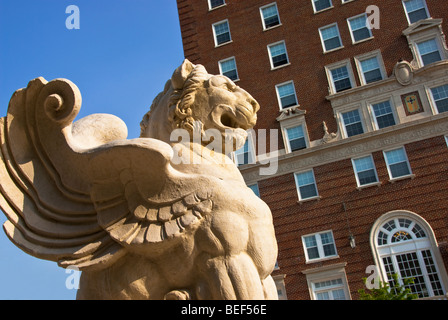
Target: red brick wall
(424, 195)
(300, 31)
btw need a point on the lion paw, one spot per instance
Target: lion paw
(177, 295)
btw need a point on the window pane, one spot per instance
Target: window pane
(216, 3)
(331, 38)
(399, 169)
(222, 32)
(278, 54)
(308, 191)
(429, 51)
(440, 95)
(322, 4)
(306, 184)
(395, 156)
(410, 268)
(352, 122)
(296, 138)
(270, 16)
(365, 170)
(371, 70)
(228, 68)
(287, 95)
(338, 294)
(341, 79)
(359, 28)
(416, 10)
(383, 114)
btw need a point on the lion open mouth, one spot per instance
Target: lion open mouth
(227, 117)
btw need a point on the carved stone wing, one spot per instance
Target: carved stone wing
(140, 199)
(79, 193)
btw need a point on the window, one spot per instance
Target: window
(352, 123)
(278, 55)
(319, 5)
(358, 28)
(227, 68)
(429, 51)
(306, 185)
(221, 31)
(370, 70)
(446, 140)
(405, 248)
(270, 16)
(397, 163)
(330, 37)
(254, 188)
(440, 97)
(319, 246)
(340, 79)
(244, 155)
(286, 94)
(329, 290)
(415, 10)
(296, 138)
(365, 171)
(384, 116)
(215, 3)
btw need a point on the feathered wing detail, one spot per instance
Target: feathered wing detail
(139, 209)
(84, 198)
(43, 182)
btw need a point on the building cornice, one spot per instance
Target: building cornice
(370, 142)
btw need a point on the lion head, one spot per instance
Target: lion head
(196, 100)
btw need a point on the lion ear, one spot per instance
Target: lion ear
(181, 74)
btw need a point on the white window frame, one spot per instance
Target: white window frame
(322, 39)
(360, 186)
(329, 289)
(215, 35)
(298, 186)
(391, 178)
(287, 140)
(417, 50)
(446, 140)
(366, 56)
(270, 55)
(338, 65)
(319, 246)
(407, 14)
(351, 30)
(432, 99)
(322, 10)
(361, 117)
(381, 251)
(220, 6)
(262, 18)
(236, 68)
(372, 112)
(278, 95)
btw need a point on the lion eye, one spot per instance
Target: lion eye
(222, 82)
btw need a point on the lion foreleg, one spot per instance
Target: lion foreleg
(233, 277)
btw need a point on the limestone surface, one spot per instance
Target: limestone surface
(163, 216)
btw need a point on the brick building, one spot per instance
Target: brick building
(362, 130)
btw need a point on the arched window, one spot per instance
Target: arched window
(404, 244)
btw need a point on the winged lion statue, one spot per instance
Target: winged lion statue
(138, 224)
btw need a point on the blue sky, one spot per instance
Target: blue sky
(120, 58)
